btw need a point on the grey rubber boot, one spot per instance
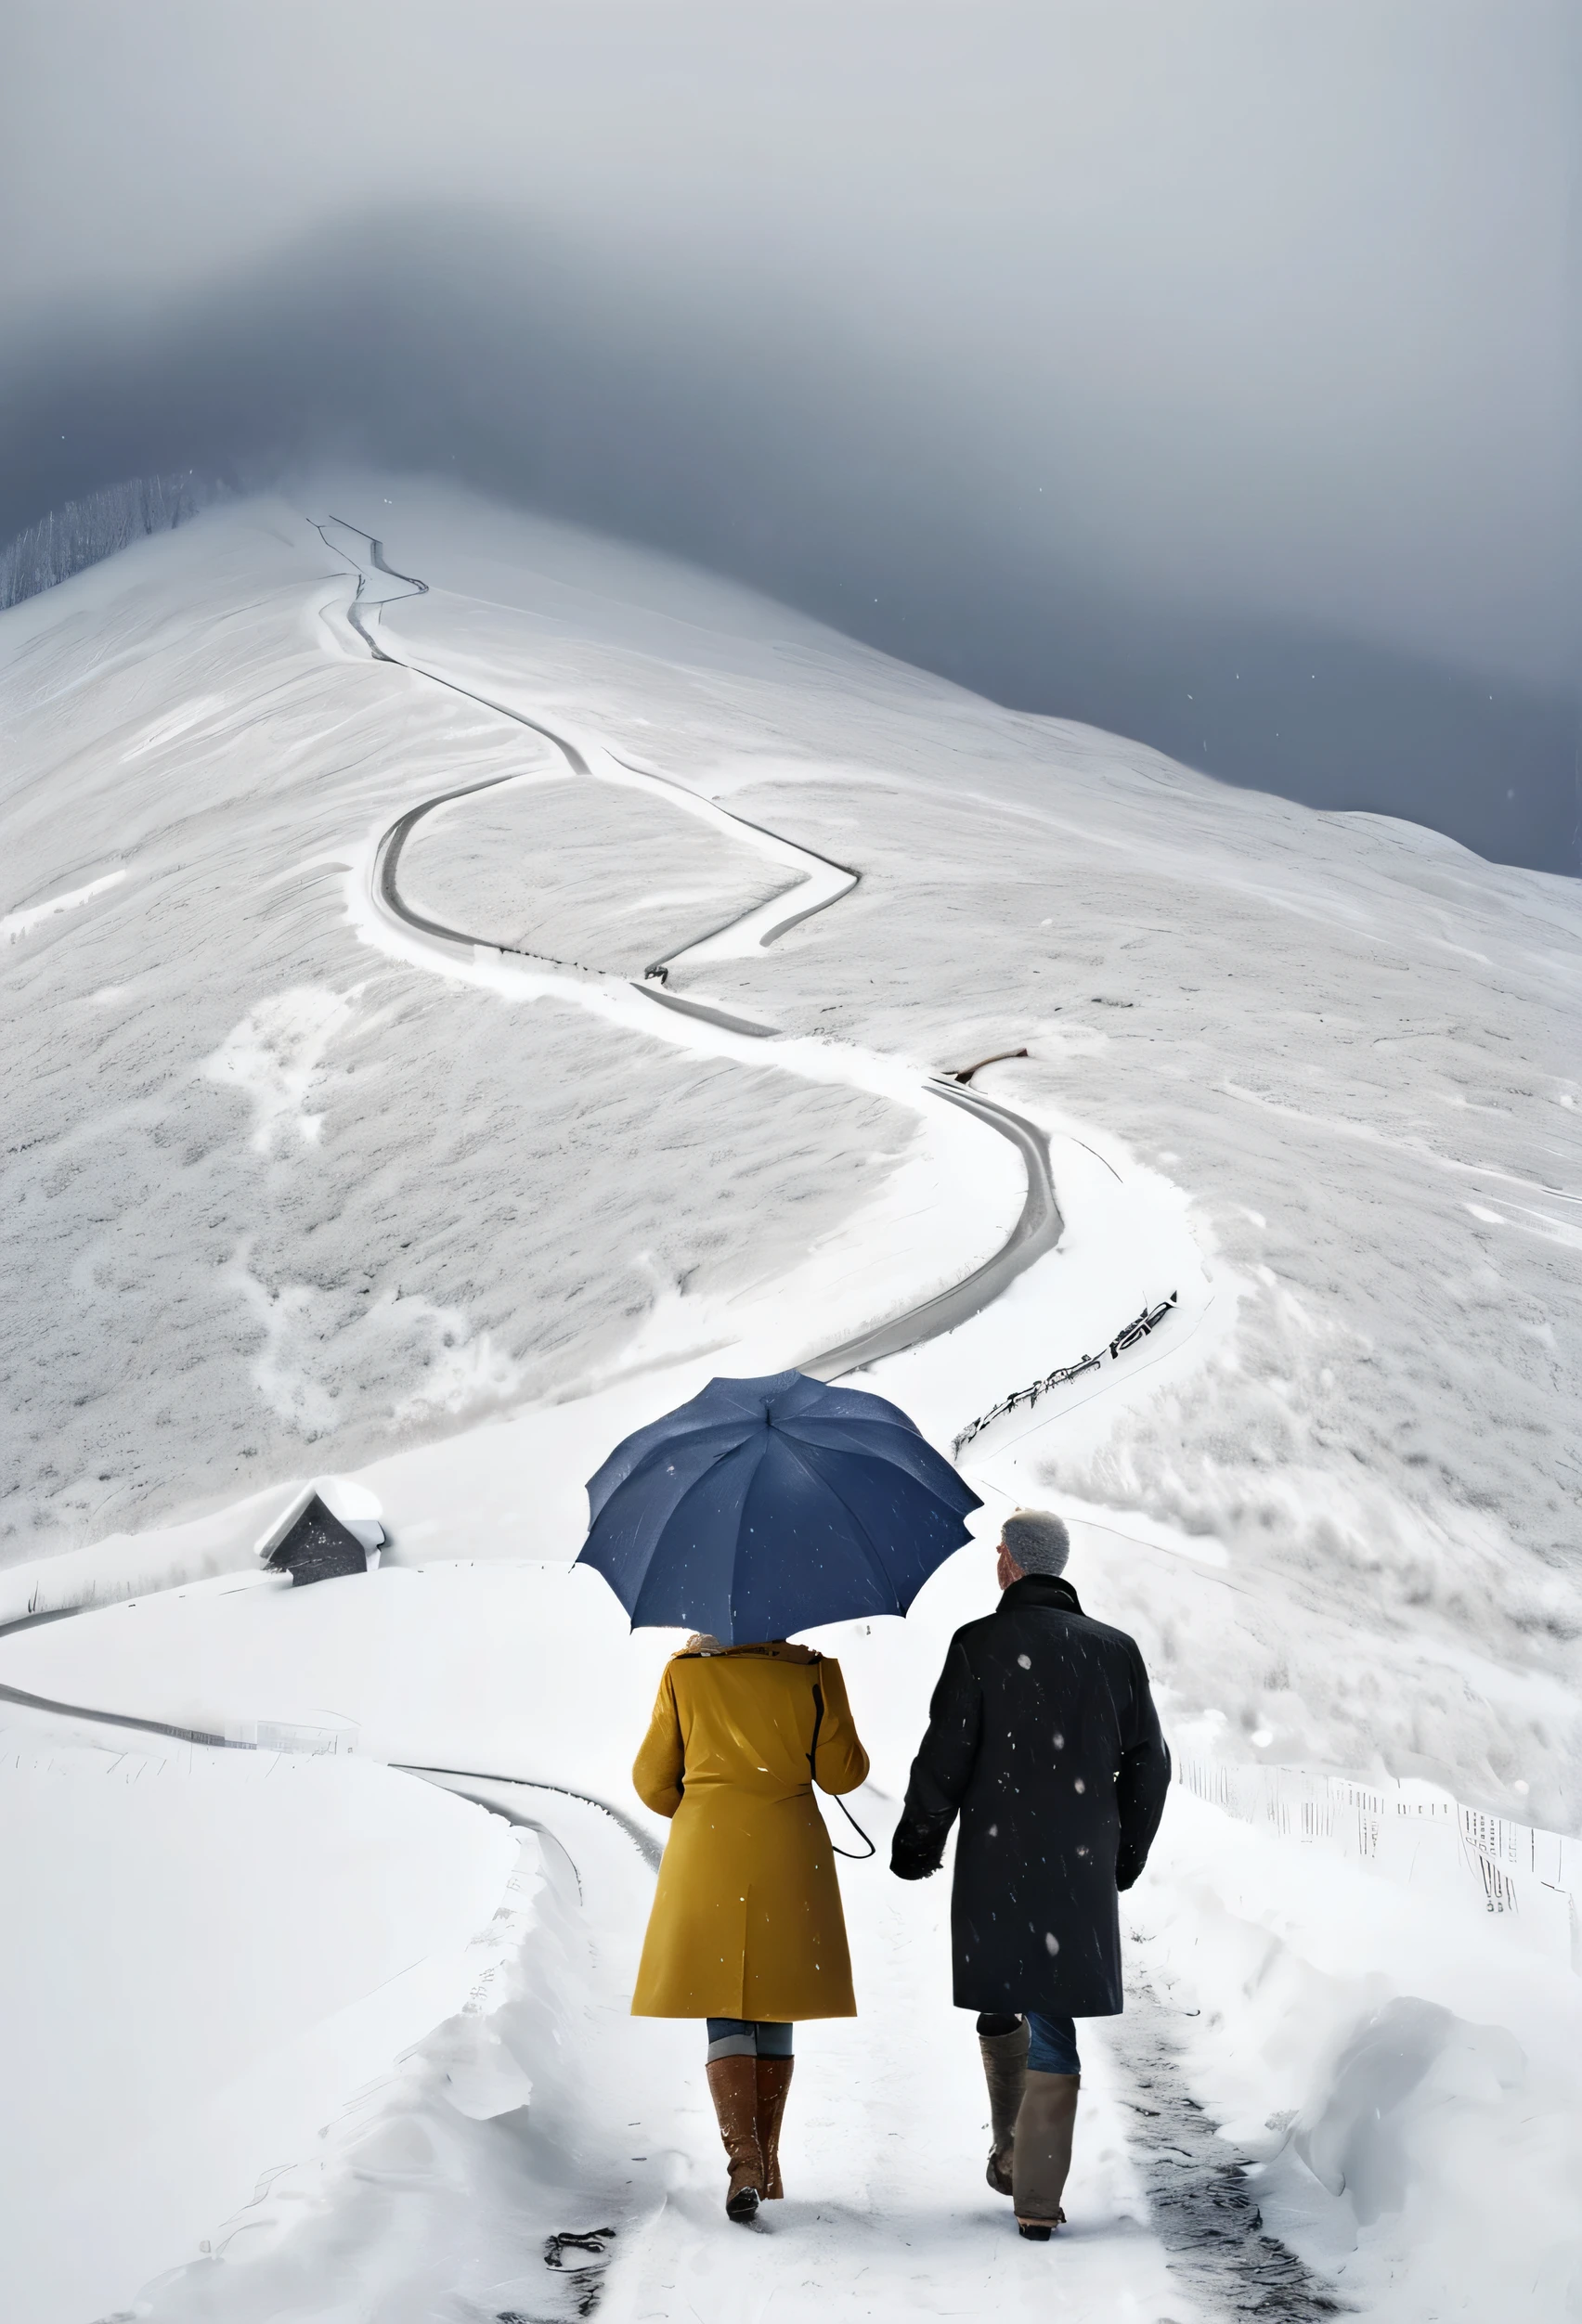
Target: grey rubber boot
(1004, 2070)
(1042, 2151)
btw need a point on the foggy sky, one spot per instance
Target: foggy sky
(1101, 357)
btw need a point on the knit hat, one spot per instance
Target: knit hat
(1037, 1541)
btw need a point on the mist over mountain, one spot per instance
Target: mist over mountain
(1213, 379)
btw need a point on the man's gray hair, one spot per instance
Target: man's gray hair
(1037, 1541)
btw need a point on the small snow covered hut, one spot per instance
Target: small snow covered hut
(324, 1530)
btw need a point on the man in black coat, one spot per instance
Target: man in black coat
(1043, 1738)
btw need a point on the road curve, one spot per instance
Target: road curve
(1036, 1230)
(1039, 1226)
(457, 1778)
(387, 856)
(115, 1718)
(838, 880)
(449, 1778)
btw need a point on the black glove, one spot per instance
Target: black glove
(1127, 1869)
(914, 1855)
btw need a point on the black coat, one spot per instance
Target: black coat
(1043, 1739)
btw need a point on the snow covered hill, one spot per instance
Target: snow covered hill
(299, 1176)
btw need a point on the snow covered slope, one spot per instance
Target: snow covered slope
(209, 1954)
(294, 1183)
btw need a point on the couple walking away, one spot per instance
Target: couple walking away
(1041, 1739)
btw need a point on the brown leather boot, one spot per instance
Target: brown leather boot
(733, 2084)
(1004, 2070)
(1043, 2152)
(774, 2081)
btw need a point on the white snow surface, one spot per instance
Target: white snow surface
(209, 1954)
(289, 1184)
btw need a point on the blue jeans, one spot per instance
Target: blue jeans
(1052, 2046)
(749, 2037)
(1052, 2041)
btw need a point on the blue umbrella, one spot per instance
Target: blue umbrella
(764, 1507)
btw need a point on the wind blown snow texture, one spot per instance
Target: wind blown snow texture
(283, 1192)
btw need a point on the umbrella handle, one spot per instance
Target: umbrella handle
(849, 1854)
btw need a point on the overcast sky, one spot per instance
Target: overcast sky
(1251, 313)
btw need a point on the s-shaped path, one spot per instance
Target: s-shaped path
(819, 884)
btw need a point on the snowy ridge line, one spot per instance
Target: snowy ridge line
(1039, 1225)
(1413, 1831)
(1127, 1337)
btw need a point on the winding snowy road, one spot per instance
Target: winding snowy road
(820, 882)
(1254, 1508)
(906, 2233)
(888, 2143)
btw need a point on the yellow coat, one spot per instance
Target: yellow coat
(747, 1920)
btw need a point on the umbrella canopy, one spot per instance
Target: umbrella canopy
(764, 1507)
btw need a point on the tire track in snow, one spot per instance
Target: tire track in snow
(1202, 2204)
(1039, 1225)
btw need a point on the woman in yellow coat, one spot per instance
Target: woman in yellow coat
(746, 1929)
